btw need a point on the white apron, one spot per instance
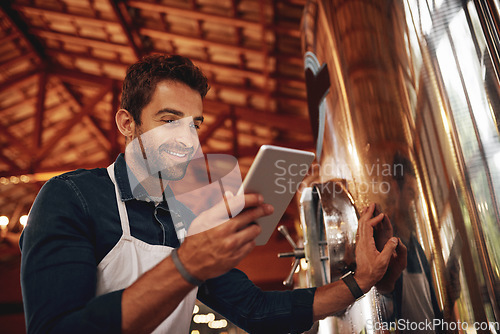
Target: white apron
(416, 299)
(129, 259)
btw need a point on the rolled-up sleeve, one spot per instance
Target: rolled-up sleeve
(234, 296)
(58, 266)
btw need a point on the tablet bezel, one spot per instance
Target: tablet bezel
(293, 165)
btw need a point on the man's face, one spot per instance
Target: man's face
(168, 131)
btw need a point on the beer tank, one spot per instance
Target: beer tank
(404, 102)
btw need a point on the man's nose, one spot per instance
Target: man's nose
(186, 136)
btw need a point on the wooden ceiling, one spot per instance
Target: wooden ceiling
(62, 62)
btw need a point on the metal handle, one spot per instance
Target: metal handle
(298, 253)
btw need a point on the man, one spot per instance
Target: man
(413, 297)
(98, 259)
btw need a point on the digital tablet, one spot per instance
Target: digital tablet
(276, 173)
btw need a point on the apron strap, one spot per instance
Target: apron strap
(122, 209)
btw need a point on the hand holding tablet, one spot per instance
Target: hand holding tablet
(276, 174)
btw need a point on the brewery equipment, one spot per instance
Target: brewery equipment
(404, 101)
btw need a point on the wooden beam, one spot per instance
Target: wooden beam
(39, 111)
(233, 71)
(16, 60)
(17, 106)
(153, 33)
(18, 80)
(219, 121)
(194, 14)
(269, 119)
(77, 77)
(13, 165)
(234, 129)
(274, 120)
(89, 42)
(10, 37)
(204, 65)
(49, 13)
(15, 141)
(132, 37)
(22, 28)
(68, 126)
(99, 133)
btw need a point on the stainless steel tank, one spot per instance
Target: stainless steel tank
(404, 100)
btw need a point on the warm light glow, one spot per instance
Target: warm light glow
(4, 180)
(14, 179)
(4, 221)
(303, 264)
(25, 178)
(195, 331)
(23, 220)
(196, 309)
(216, 324)
(203, 318)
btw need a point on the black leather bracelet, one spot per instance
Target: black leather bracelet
(184, 273)
(353, 286)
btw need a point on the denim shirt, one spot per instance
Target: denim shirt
(74, 223)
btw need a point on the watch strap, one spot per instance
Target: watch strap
(182, 270)
(353, 286)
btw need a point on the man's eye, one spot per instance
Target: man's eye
(171, 121)
(195, 126)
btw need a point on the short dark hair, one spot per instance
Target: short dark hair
(142, 77)
(404, 165)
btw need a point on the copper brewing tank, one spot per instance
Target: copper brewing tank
(404, 100)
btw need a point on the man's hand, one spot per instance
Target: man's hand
(394, 270)
(371, 263)
(383, 231)
(217, 250)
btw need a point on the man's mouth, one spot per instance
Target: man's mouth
(176, 154)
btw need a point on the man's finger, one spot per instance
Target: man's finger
(365, 228)
(250, 215)
(402, 252)
(247, 234)
(389, 248)
(376, 220)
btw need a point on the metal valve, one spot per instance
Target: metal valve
(298, 253)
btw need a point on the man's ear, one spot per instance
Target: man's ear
(125, 123)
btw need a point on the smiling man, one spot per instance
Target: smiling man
(101, 252)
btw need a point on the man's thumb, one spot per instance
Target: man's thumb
(389, 248)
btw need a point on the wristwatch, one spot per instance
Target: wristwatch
(353, 286)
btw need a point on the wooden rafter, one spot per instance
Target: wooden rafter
(199, 41)
(95, 43)
(40, 109)
(68, 126)
(79, 78)
(98, 132)
(13, 165)
(50, 13)
(221, 118)
(15, 141)
(21, 27)
(195, 14)
(205, 65)
(18, 81)
(132, 36)
(74, 76)
(268, 119)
